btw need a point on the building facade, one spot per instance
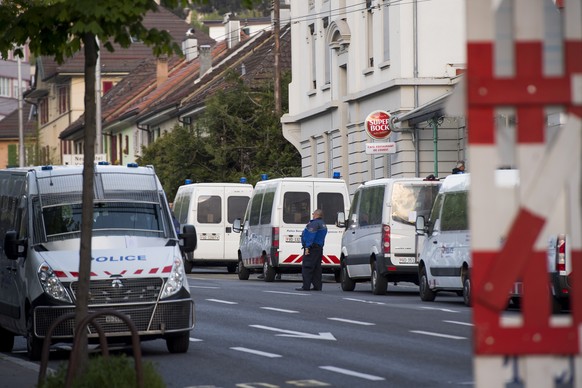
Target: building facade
(353, 57)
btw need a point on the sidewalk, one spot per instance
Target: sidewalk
(15, 372)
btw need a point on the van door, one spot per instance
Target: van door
(209, 221)
(330, 197)
(235, 203)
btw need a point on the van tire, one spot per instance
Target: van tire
(33, 343)
(347, 283)
(379, 282)
(426, 294)
(6, 340)
(467, 291)
(178, 343)
(268, 271)
(243, 272)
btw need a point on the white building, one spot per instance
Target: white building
(353, 57)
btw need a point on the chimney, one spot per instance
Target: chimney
(161, 70)
(190, 46)
(232, 32)
(205, 59)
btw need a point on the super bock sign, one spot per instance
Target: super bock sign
(378, 125)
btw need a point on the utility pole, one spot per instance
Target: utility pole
(276, 29)
(20, 119)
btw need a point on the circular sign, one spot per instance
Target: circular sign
(378, 125)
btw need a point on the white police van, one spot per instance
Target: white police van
(279, 209)
(136, 266)
(212, 208)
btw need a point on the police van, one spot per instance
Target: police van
(379, 243)
(279, 209)
(212, 208)
(136, 264)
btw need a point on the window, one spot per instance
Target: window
(454, 216)
(354, 208)
(371, 205)
(43, 107)
(256, 209)
(330, 204)
(267, 207)
(209, 209)
(434, 214)
(370, 38)
(106, 86)
(236, 206)
(386, 30)
(5, 87)
(296, 207)
(408, 198)
(63, 94)
(311, 42)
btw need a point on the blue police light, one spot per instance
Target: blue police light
(132, 165)
(243, 179)
(46, 168)
(264, 177)
(103, 163)
(336, 175)
(187, 181)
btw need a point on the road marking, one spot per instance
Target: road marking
(221, 301)
(350, 321)
(439, 309)
(257, 352)
(287, 292)
(280, 310)
(195, 339)
(352, 373)
(437, 334)
(213, 288)
(460, 323)
(364, 301)
(297, 334)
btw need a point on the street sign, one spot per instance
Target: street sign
(77, 159)
(380, 148)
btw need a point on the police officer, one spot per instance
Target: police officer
(312, 240)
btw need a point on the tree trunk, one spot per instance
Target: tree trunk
(91, 51)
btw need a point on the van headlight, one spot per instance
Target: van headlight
(51, 283)
(176, 280)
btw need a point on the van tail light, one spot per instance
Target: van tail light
(275, 243)
(386, 238)
(561, 256)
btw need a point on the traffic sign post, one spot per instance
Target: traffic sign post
(533, 348)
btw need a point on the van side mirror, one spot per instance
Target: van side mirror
(188, 238)
(237, 226)
(420, 226)
(341, 220)
(13, 247)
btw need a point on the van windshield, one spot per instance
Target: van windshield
(408, 198)
(109, 218)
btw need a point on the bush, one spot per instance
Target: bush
(112, 372)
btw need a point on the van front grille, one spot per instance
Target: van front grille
(122, 290)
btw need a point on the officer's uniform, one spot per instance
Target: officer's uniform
(313, 238)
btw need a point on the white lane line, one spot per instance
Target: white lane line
(437, 334)
(440, 309)
(352, 373)
(195, 339)
(257, 352)
(364, 301)
(350, 321)
(460, 323)
(221, 301)
(287, 292)
(280, 310)
(211, 287)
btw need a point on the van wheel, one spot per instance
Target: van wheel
(347, 283)
(178, 343)
(6, 340)
(426, 294)
(243, 272)
(379, 283)
(268, 271)
(33, 343)
(467, 291)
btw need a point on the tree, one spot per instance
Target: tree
(60, 29)
(237, 135)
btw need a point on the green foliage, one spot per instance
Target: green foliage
(112, 372)
(237, 135)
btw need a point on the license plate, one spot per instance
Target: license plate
(292, 239)
(113, 319)
(407, 260)
(214, 237)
